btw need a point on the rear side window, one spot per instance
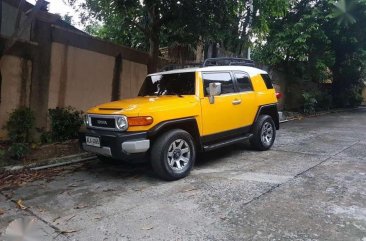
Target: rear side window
(267, 81)
(243, 81)
(227, 85)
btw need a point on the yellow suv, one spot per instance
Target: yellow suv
(181, 112)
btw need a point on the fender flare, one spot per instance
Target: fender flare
(270, 110)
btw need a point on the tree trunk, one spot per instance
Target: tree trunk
(286, 98)
(154, 52)
(338, 85)
(199, 50)
(153, 34)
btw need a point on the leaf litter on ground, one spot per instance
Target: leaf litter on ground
(20, 204)
(12, 179)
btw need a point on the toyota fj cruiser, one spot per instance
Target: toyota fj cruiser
(181, 112)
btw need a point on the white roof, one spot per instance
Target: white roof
(250, 70)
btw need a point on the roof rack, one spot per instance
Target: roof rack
(180, 66)
(222, 61)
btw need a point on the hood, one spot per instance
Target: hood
(143, 105)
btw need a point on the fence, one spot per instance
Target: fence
(58, 67)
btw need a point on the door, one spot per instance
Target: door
(222, 115)
(249, 106)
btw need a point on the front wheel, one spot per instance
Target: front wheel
(264, 133)
(173, 154)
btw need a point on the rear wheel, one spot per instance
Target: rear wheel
(173, 154)
(264, 133)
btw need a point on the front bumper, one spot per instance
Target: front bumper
(117, 145)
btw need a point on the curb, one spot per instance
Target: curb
(322, 113)
(54, 162)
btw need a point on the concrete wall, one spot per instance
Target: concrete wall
(79, 78)
(132, 76)
(82, 79)
(15, 89)
(69, 67)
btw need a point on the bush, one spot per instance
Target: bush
(19, 150)
(351, 97)
(3, 157)
(19, 125)
(310, 102)
(324, 100)
(2, 154)
(65, 123)
(46, 137)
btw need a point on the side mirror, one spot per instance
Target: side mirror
(214, 89)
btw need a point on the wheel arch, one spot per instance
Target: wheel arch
(188, 124)
(270, 110)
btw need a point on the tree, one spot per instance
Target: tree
(319, 40)
(255, 18)
(147, 17)
(67, 18)
(346, 30)
(292, 41)
(149, 24)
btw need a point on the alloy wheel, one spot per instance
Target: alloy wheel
(267, 133)
(179, 154)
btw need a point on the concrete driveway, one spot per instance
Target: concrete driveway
(310, 186)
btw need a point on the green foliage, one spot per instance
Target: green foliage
(149, 24)
(18, 150)
(351, 97)
(65, 123)
(46, 137)
(324, 38)
(19, 125)
(349, 43)
(2, 155)
(324, 100)
(67, 18)
(310, 102)
(4, 160)
(112, 30)
(343, 12)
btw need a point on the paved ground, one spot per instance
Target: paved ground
(310, 186)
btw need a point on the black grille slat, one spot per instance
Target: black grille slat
(103, 122)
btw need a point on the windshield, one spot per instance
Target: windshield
(169, 84)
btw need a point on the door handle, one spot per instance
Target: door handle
(236, 102)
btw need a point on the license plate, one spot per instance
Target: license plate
(92, 141)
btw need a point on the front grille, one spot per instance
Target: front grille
(103, 122)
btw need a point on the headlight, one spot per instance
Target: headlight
(121, 123)
(86, 120)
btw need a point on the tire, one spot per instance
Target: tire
(173, 154)
(264, 133)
